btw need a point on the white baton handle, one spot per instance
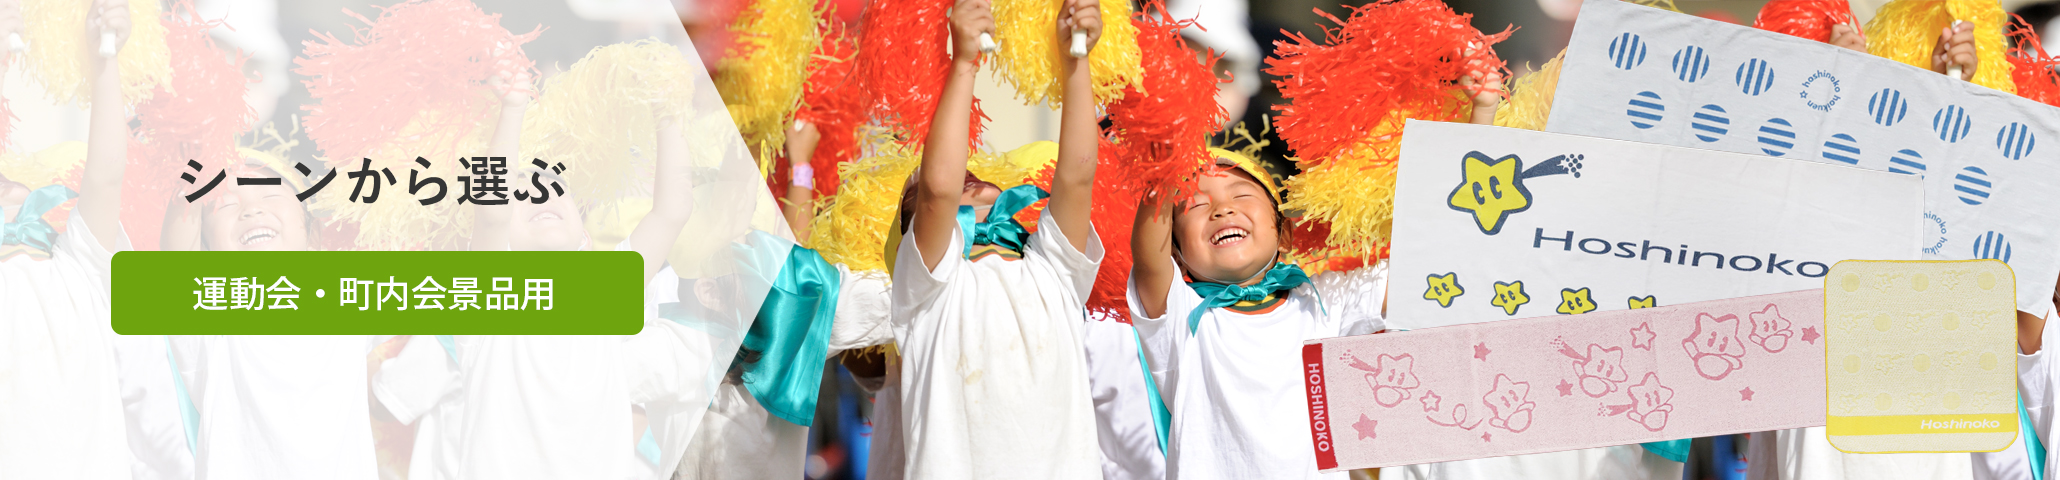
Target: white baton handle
(14, 43)
(1953, 69)
(107, 45)
(987, 44)
(1079, 43)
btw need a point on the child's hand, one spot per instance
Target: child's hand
(1849, 37)
(1080, 15)
(1955, 49)
(969, 19)
(1484, 84)
(514, 82)
(107, 16)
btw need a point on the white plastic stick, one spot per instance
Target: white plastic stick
(987, 44)
(107, 40)
(14, 43)
(1079, 43)
(1953, 69)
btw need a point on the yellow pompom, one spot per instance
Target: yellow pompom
(397, 221)
(1030, 50)
(48, 166)
(1907, 31)
(1667, 5)
(600, 117)
(1530, 97)
(850, 228)
(59, 50)
(1354, 193)
(762, 73)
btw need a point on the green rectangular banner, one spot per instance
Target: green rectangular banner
(378, 293)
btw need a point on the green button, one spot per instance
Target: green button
(378, 293)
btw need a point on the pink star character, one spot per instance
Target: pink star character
(1365, 427)
(1770, 330)
(1641, 337)
(1715, 346)
(1510, 403)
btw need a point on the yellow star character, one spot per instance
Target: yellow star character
(1575, 302)
(1443, 289)
(1647, 302)
(1509, 296)
(1490, 190)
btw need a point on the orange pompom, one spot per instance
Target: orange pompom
(1811, 19)
(2033, 70)
(195, 116)
(903, 58)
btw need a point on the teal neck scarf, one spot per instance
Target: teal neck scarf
(1282, 277)
(1001, 228)
(27, 227)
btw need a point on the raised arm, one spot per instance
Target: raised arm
(943, 171)
(107, 127)
(490, 222)
(1151, 253)
(672, 199)
(799, 206)
(1072, 186)
(1490, 94)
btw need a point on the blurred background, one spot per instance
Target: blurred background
(1242, 31)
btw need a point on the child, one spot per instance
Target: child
(63, 415)
(1222, 341)
(987, 321)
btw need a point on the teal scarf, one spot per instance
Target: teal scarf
(1282, 277)
(2034, 447)
(1676, 450)
(792, 335)
(1001, 228)
(28, 227)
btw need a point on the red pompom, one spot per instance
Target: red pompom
(2032, 69)
(903, 58)
(1385, 60)
(1811, 19)
(830, 102)
(420, 61)
(196, 116)
(1164, 136)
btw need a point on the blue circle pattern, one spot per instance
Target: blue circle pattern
(1888, 107)
(1777, 137)
(1973, 185)
(1710, 123)
(1842, 148)
(1691, 64)
(1992, 246)
(1627, 50)
(1754, 77)
(1906, 161)
(1951, 123)
(2015, 140)
(1645, 110)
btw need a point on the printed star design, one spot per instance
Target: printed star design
(1365, 427)
(1641, 337)
(1745, 395)
(1575, 302)
(1481, 351)
(1647, 302)
(1490, 190)
(1430, 401)
(1443, 288)
(1486, 437)
(1810, 335)
(1565, 389)
(1509, 296)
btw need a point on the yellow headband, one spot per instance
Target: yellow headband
(1226, 158)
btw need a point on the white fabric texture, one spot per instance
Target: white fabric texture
(1122, 404)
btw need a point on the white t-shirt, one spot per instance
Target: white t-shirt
(157, 427)
(279, 406)
(994, 375)
(420, 387)
(543, 406)
(60, 401)
(1231, 382)
(1805, 453)
(1122, 404)
(2035, 381)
